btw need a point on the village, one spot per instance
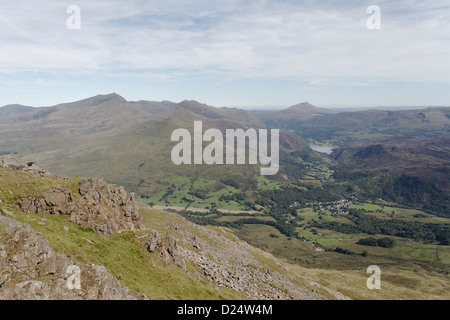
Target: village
(337, 207)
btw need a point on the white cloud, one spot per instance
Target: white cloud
(236, 38)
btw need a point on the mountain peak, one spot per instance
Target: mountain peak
(303, 105)
(191, 103)
(307, 107)
(100, 99)
(113, 96)
(13, 109)
(200, 108)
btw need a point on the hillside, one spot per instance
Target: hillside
(346, 127)
(311, 215)
(14, 109)
(418, 169)
(398, 155)
(127, 250)
(157, 255)
(297, 113)
(127, 143)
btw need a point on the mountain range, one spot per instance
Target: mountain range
(312, 213)
(128, 143)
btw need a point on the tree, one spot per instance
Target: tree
(386, 243)
(372, 242)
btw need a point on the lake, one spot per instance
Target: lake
(322, 149)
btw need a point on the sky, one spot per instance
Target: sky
(234, 53)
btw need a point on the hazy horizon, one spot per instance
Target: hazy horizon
(253, 108)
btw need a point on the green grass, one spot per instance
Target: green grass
(394, 212)
(266, 184)
(202, 183)
(11, 189)
(270, 239)
(308, 215)
(237, 217)
(421, 252)
(370, 207)
(211, 188)
(306, 233)
(329, 243)
(346, 274)
(124, 256)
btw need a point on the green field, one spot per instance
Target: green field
(395, 212)
(405, 252)
(211, 191)
(301, 247)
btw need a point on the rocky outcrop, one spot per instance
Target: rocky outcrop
(57, 200)
(102, 207)
(254, 281)
(19, 164)
(229, 262)
(31, 269)
(105, 208)
(16, 163)
(167, 247)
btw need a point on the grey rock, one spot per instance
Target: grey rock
(102, 207)
(166, 246)
(19, 164)
(9, 213)
(26, 255)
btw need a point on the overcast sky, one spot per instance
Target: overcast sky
(235, 53)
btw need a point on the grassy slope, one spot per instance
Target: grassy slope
(138, 157)
(122, 254)
(399, 281)
(124, 257)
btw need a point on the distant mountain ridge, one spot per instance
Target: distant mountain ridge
(14, 109)
(111, 105)
(303, 111)
(384, 108)
(307, 107)
(317, 123)
(126, 142)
